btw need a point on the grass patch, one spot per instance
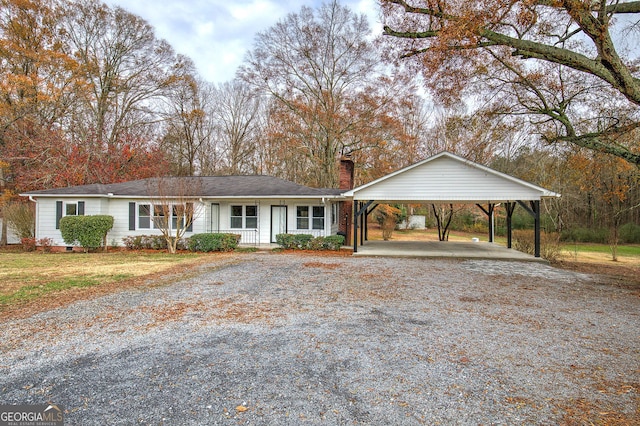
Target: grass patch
(31, 292)
(624, 250)
(25, 277)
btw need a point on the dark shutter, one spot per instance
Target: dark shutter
(132, 216)
(189, 215)
(58, 213)
(80, 208)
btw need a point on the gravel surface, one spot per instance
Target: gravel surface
(284, 339)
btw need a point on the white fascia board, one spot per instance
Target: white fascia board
(545, 193)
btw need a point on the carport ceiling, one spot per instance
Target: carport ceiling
(448, 178)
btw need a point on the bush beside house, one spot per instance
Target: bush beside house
(213, 242)
(308, 242)
(197, 242)
(88, 231)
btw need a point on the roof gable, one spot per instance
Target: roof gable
(446, 177)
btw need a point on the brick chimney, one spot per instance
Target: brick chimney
(346, 207)
(346, 174)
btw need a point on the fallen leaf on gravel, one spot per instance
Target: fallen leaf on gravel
(241, 408)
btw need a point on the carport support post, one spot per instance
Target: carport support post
(510, 208)
(355, 225)
(491, 208)
(535, 205)
(363, 226)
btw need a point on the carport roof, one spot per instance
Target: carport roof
(448, 178)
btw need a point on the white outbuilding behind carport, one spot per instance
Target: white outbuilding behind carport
(447, 178)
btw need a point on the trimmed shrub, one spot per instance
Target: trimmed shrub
(308, 242)
(154, 242)
(133, 242)
(332, 242)
(294, 241)
(148, 242)
(213, 242)
(549, 244)
(88, 231)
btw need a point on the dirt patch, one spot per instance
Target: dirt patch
(612, 273)
(322, 265)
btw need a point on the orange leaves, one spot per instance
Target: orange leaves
(609, 177)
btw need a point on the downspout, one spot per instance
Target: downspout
(35, 231)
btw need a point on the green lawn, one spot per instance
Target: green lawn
(623, 250)
(28, 276)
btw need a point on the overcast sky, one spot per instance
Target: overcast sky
(215, 34)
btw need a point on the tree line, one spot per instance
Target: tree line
(89, 94)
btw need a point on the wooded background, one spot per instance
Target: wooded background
(547, 91)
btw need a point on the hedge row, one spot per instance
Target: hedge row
(197, 242)
(308, 242)
(150, 242)
(213, 242)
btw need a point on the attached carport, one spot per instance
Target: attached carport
(446, 178)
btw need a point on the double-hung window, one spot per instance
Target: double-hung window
(155, 216)
(244, 217)
(181, 214)
(68, 208)
(310, 217)
(71, 209)
(318, 217)
(144, 216)
(160, 220)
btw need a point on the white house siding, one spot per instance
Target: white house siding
(263, 232)
(446, 179)
(46, 215)
(119, 209)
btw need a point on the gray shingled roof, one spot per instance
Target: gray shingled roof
(201, 186)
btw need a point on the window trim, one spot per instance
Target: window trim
(311, 218)
(161, 209)
(79, 208)
(61, 209)
(314, 218)
(148, 216)
(244, 216)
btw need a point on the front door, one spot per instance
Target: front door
(278, 221)
(215, 218)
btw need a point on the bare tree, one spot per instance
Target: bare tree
(237, 117)
(189, 126)
(553, 58)
(125, 68)
(174, 206)
(315, 63)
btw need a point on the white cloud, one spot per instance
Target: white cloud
(216, 34)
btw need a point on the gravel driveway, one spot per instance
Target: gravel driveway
(284, 339)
